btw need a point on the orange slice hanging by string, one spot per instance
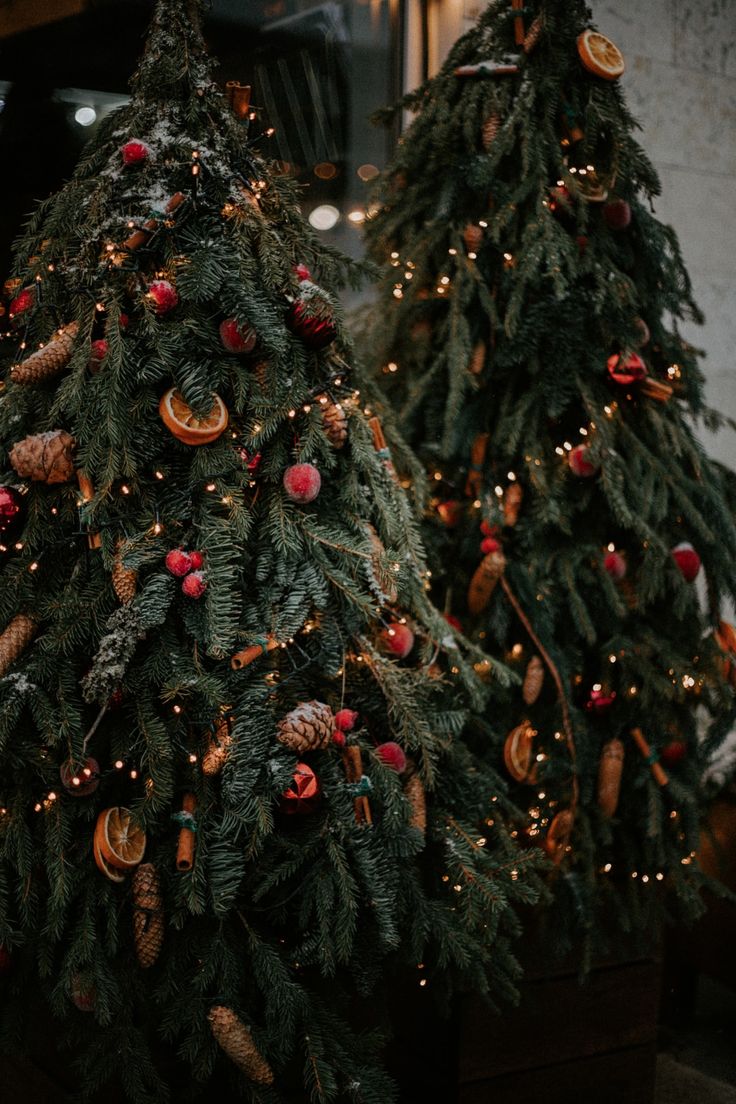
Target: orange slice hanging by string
(120, 841)
(600, 56)
(186, 426)
(518, 753)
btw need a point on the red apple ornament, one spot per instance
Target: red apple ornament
(135, 152)
(164, 295)
(580, 462)
(237, 338)
(302, 483)
(392, 755)
(178, 562)
(688, 561)
(194, 585)
(397, 639)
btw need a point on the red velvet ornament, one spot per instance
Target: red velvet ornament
(454, 621)
(688, 561)
(135, 152)
(164, 295)
(489, 544)
(11, 509)
(178, 562)
(80, 780)
(345, 719)
(315, 328)
(235, 338)
(392, 755)
(580, 463)
(450, 512)
(98, 350)
(304, 792)
(488, 530)
(615, 565)
(22, 302)
(6, 961)
(397, 639)
(302, 483)
(600, 701)
(673, 753)
(626, 369)
(617, 214)
(302, 272)
(194, 585)
(196, 559)
(339, 738)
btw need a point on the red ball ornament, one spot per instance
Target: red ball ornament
(196, 559)
(488, 530)
(164, 295)
(454, 621)
(98, 350)
(450, 512)
(489, 544)
(397, 640)
(580, 462)
(313, 325)
(135, 152)
(302, 483)
(11, 509)
(178, 562)
(626, 369)
(22, 302)
(600, 701)
(302, 272)
(6, 961)
(237, 338)
(339, 738)
(345, 719)
(80, 780)
(673, 753)
(304, 792)
(615, 565)
(688, 561)
(392, 755)
(617, 214)
(194, 585)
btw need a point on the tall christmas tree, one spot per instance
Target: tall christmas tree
(234, 790)
(528, 333)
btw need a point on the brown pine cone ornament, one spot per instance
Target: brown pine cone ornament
(124, 580)
(236, 1041)
(218, 748)
(379, 576)
(533, 680)
(610, 770)
(148, 914)
(44, 457)
(47, 362)
(473, 237)
(490, 129)
(334, 421)
(307, 727)
(15, 639)
(478, 359)
(487, 573)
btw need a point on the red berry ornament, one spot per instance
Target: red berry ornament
(80, 780)
(392, 755)
(123, 321)
(196, 559)
(304, 792)
(178, 562)
(488, 530)
(673, 753)
(22, 302)
(194, 585)
(339, 738)
(98, 350)
(397, 640)
(237, 338)
(600, 700)
(626, 369)
(302, 483)
(11, 509)
(135, 152)
(688, 561)
(617, 214)
(252, 460)
(454, 621)
(580, 462)
(312, 322)
(345, 719)
(615, 565)
(164, 295)
(489, 544)
(302, 272)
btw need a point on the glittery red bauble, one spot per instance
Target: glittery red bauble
(580, 463)
(392, 755)
(626, 369)
(397, 640)
(450, 512)
(80, 780)
(6, 961)
(600, 701)
(451, 619)
(194, 585)
(673, 753)
(345, 719)
(196, 559)
(302, 482)
(617, 214)
(22, 302)
(615, 565)
(688, 561)
(488, 530)
(304, 792)
(11, 509)
(302, 272)
(315, 330)
(237, 338)
(489, 544)
(178, 562)
(98, 350)
(164, 295)
(135, 152)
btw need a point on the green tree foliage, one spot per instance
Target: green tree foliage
(122, 653)
(524, 271)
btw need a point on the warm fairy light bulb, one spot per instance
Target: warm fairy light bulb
(392, 366)
(398, 293)
(134, 774)
(211, 487)
(119, 764)
(33, 566)
(499, 491)
(394, 256)
(157, 528)
(452, 252)
(292, 414)
(159, 474)
(125, 489)
(192, 758)
(611, 659)
(445, 280)
(37, 807)
(177, 709)
(560, 451)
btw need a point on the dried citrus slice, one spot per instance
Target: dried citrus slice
(558, 836)
(517, 753)
(186, 426)
(109, 871)
(120, 840)
(599, 55)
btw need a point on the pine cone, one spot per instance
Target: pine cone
(473, 237)
(532, 35)
(378, 575)
(237, 1042)
(610, 770)
(334, 420)
(148, 914)
(533, 680)
(478, 359)
(124, 580)
(487, 573)
(309, 726)
(49, 361)
(489, 130)
(512, 503)
(15, 639)
(44, 457)
(415, 795)
(218, 748)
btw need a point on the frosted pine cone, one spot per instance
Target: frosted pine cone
(44, 457)
(308, 727)
(15, 639)
(237, 1042)
(334, 420)
(148, 915)
(47, 362)
(489, 130)
(218, 748)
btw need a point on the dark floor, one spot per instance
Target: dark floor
(697, 1060)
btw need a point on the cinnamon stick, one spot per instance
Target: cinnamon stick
(185, 847)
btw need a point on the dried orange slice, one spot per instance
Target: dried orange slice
(109, 871)
(599, 55)
(180, 419)
(558, 836)
(517, 753)
(121, 842)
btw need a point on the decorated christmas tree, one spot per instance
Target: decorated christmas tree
(235, 792)
(529, 334)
